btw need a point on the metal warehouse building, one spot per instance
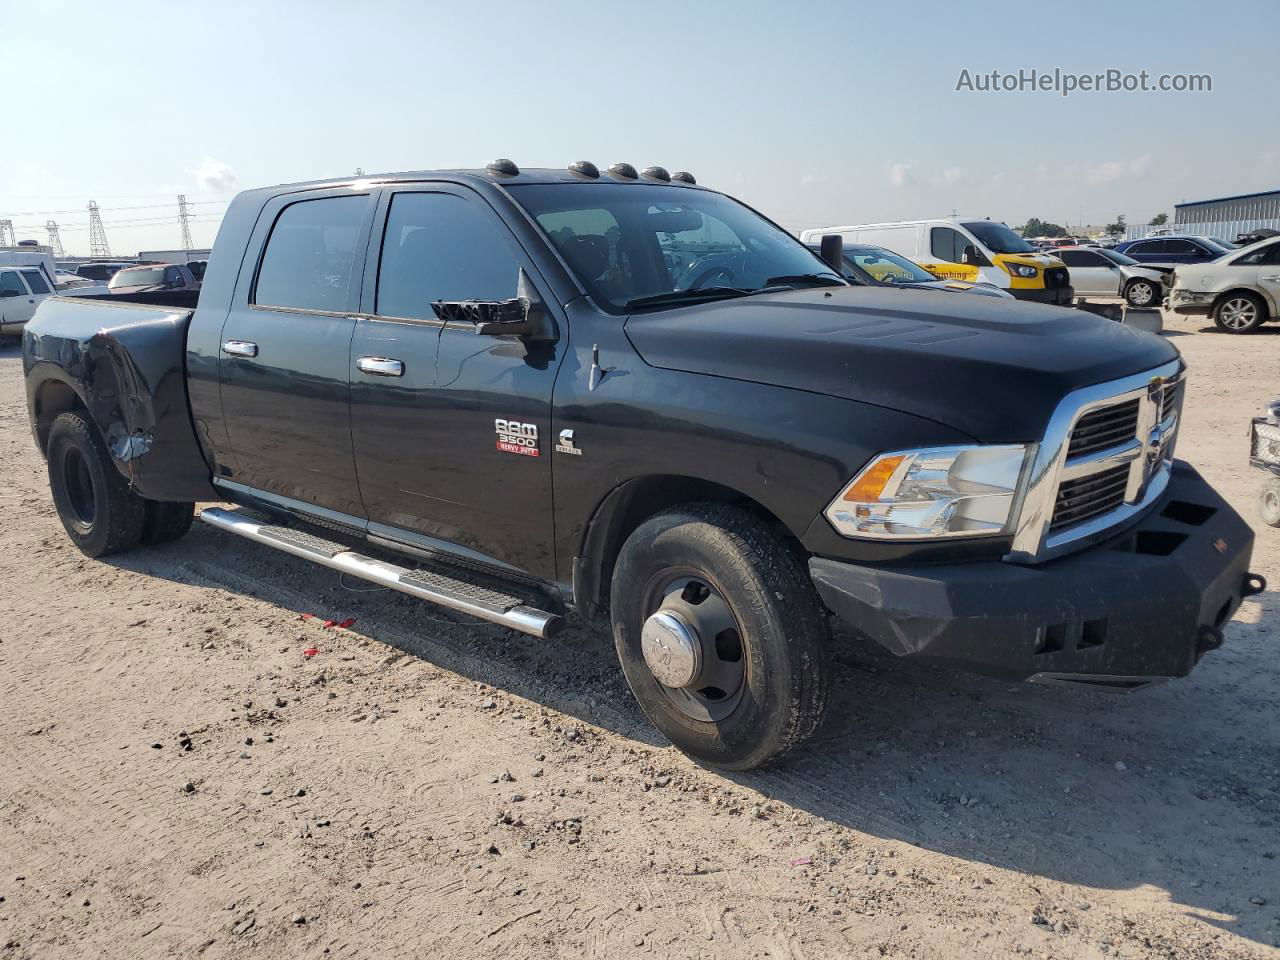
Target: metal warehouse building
(1228, 217)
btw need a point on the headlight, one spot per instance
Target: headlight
(1191, 296)
(937, 492)
(1018, 270)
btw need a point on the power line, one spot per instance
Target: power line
(113, 209)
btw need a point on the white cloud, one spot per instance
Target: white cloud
(952, 175)
(1116, 169)
(899, 174)
(215, 176)
(1106, 172)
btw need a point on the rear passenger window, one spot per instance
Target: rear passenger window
(310, 255)
(10, 282)
(438, 246)
(35, 280)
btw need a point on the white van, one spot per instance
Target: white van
(976, 251)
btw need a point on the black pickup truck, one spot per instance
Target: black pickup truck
(518, 392)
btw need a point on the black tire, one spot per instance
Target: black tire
(94, 502)
(1269, 502)
(1141, 292)
(782, 643)
(166, 521)
(1240, 313)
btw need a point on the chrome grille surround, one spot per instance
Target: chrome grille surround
(1146, 454)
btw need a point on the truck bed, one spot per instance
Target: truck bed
(123, 359)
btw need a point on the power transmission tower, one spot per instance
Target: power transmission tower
(7, 237)
(98, 246)
(184, 218)
(55, 241)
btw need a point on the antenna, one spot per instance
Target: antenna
(55, 242)
(184, 218)
(7, 237)
(98, 246)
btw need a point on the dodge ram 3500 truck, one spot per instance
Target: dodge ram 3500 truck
(517, 392)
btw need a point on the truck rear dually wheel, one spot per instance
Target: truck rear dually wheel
(97, 508)
(166, 521)
(720, 635)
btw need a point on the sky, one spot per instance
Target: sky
(814, 113)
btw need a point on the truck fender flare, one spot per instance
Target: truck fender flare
(628, 505)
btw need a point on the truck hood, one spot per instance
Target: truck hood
(994, 369)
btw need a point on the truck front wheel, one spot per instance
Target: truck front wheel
(720, 635)
(94, 502)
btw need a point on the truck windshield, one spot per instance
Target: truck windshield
(998, 238)
(650, 246)
(137, 278)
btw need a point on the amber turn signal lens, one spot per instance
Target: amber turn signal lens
(873, 480)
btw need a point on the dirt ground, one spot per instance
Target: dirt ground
(177, 779)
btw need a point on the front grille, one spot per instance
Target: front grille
(1265, 442)
(1107, 457)
(1104, 427)
(1055, 278)
(1087, 497)
(1169, 404)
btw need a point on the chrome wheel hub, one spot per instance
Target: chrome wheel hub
(693, 645)
(672, 649)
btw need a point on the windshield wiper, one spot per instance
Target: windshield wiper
(676, 297)
(817, 279)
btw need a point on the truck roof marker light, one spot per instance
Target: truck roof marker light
(585, 168)
(656, 173)
(503, 168)
(683, 176)
(872, 481)
(624, 171)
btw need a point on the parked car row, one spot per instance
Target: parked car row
(970, 251)
(1097, 272)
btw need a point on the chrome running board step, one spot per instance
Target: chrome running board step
(437, 588)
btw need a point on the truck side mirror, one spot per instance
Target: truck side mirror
(832, 252)
(526, 316)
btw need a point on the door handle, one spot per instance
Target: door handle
(1270, 279)
(380, 366)
(240, 348)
